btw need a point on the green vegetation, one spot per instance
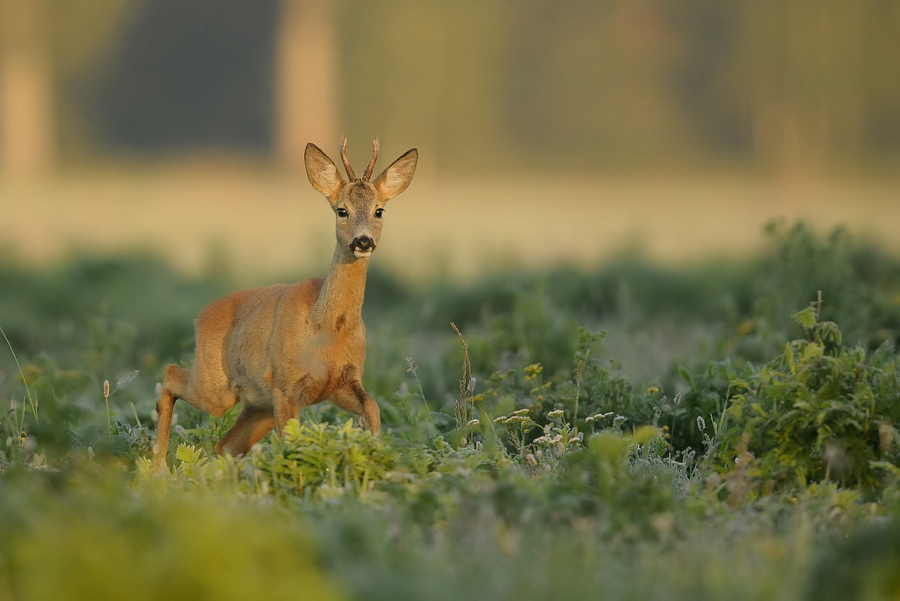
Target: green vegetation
(728, 430)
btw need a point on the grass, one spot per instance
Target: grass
(526, 453)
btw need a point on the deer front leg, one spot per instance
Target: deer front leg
(356, 400)
(251, 426)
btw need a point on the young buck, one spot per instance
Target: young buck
(280, 348)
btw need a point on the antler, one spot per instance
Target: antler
(368, 173)
(350, 175)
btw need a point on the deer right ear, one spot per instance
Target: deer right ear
(322, 173)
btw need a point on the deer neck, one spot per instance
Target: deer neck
(341, 297)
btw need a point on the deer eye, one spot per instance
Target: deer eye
(342, 212)
(379, 213)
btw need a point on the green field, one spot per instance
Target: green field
(711, 429)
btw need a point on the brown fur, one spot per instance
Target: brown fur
(280, 348)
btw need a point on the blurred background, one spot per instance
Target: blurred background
(549, 131)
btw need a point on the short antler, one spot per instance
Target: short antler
(368, 174)
(350, 175)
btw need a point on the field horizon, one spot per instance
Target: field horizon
(261, 224)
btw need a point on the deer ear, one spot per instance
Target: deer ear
(396, 178)
(322, 173)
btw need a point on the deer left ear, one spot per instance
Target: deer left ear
(396, 178)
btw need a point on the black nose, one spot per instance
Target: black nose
(362, 243)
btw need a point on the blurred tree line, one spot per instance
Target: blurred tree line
(502, 85)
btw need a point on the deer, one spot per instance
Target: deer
(277, 349)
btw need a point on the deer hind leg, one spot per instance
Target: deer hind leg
(251, 426)
(287, 406)
(176, 385)
(356, 400)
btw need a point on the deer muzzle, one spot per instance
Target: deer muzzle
(362, 246)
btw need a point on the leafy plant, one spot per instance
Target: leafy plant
(818, 411)
(325, 459)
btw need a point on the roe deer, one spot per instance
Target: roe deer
(280, 348)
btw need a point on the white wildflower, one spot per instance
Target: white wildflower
(599, 416)
(518, 419)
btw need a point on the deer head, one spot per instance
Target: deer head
(358, 203)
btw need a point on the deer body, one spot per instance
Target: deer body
(277, 349)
